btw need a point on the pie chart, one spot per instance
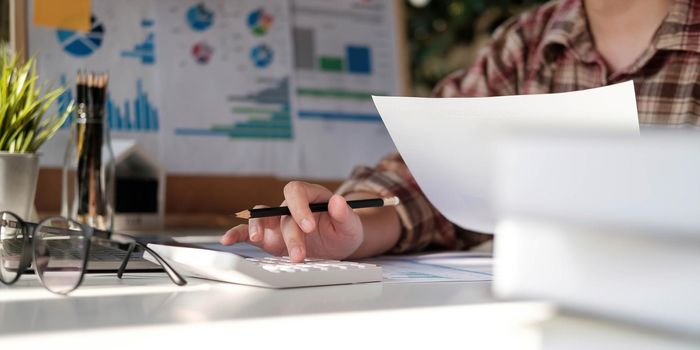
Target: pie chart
(201, 52)
(200, 17)
(82, 44)
(261, 55)
(259, 21)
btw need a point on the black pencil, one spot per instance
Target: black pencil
(317, 207)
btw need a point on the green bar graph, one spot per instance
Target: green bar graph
(336, 93)
(264, 115)
(330, 63)
(254, 110)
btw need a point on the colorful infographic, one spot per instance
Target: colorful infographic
(344, 53)
(277, 87)
(122, 40)
(237, 75)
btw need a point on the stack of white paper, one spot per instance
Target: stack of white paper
(604, 226)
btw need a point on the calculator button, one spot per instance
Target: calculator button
(271, 268)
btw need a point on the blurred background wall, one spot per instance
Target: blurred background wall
(4, 21)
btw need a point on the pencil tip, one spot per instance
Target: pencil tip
(391, 201)
(243, 214)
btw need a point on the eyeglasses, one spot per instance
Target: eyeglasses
(60, 248)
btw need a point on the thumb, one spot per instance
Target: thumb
(343, 218)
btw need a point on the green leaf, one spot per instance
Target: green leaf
(27, 142)
(24, 103)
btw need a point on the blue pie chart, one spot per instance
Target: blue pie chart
(200, 17)
(261, 55)
(82, 44)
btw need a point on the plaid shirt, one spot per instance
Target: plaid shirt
(549, 49)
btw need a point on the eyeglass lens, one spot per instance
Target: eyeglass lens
(11, 246)
(60, 248)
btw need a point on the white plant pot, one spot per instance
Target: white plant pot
(18, 178)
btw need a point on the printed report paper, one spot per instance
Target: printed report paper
(431, 267)
(448, 143)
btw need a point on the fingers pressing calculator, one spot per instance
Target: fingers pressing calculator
(263, 271)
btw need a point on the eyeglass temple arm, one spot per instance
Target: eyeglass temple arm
(174, 276)
(122, 267)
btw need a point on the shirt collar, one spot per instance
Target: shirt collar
(569, 29)
(681, 28)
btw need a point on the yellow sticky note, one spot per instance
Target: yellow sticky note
(64, 14)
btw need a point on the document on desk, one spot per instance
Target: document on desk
(440, 267)
(449, 143)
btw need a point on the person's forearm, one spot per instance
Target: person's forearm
(381, 228)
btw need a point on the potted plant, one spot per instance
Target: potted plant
(25, 124)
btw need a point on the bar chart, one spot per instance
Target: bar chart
(145, 114)
(264, 114)
(342, 56)
(137, 115)
(144, 51)
(356, 59)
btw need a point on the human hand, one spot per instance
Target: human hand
(334, 234)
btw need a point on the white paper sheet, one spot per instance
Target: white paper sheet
(452, 267)
(467, 266)
(448, 142)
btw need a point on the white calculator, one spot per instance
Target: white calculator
(261, 270)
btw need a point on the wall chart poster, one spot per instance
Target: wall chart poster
(236, 87)
(345, 51)
(121, 39)
(227, 90)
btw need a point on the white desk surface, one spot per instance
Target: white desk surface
(148, 308)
